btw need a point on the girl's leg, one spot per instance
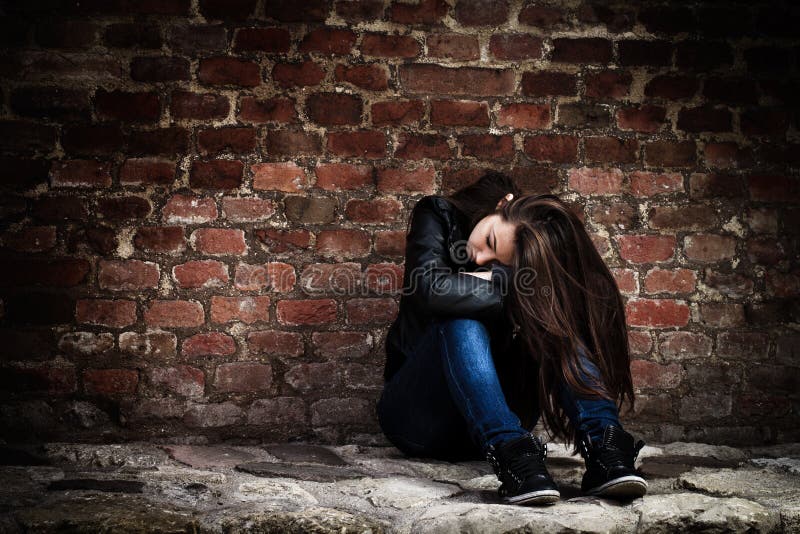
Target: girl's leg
(589, 416)
(417, 413)
(466, 356)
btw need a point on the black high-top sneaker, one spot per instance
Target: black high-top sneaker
(610, 470)
(519, 464)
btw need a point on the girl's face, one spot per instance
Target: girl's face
(492, 239)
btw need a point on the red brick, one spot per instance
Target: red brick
(547, 83)
(650, 184)
(422, 146)
(686, 217)
(236, 140)
(372, 211)
(112, 313)
(247, 309)
(160, 239)
(611, 150)
(608, 84)
(722, 314)
(657, 313)
(196, 39)
(742, 345)
(30, 239)
(343, 243)
(390, 243)
(331, 376)
(382, 45)
(239, 377)
(227, 10)
(341, 345)
(555, 148)
(224, 414)
(343, 176)
(626, 280)
(334, 109)
(338, 412)
(640, 53)
(281, 110)
(80, 173)
(581, 50)
(645, 118)
(454, 46)
(147, 171)
(43, 379)
(216, 174)
(305, 74)
(208, 344)
(623, 216)
(110, 382)
(189, 209)
(383, 278)
(524, 116)
(459, 113)
(308, 311)
(242, 209)
(617, 18)
(219, 241)
(371, 310)
(646, 248)
(670, 153)
(683, 345)
(395, 180)
(159, 69)
(648, 374)
(731, 90)
(275, 342)
(200, 274)
(727, 155)
(285, 142)
(670, 281)
(55, 102)
(337, 278)
(593, 181)
(702, 56)
(435, 79)
(182, 380)
(487, 146)
(484, 13)
(516, 46)
(127, 106)
(397, 112)
(579, 115)
(328, 41)
(704, 118)
(280, 412)
(285, 176)
(713, 185)
(364, 144)
(127, 275)
(229, 71)
(188, 105)
(61, 271)
(70, 34)
(640, 342)
(371, 77)
(270, 40)
(764, 251)
(150, 344)
(310, 209)
(92, 139)
(115, 209)
(764, 122)
(672, 87)
(773, 188)
(709, 247)
(290, 11)
(782, 284)
(174, 313)
(132, 35)
(171, 141)
(427, 12)
(281, 276)
(542, 16)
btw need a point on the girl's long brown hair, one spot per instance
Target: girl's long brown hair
(563, 297)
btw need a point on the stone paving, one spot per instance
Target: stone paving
(301, 487)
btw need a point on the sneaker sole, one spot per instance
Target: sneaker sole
(534, 497)
(629, 486)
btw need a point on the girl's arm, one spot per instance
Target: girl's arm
(433, 284)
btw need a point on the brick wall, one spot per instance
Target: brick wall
(204, 201)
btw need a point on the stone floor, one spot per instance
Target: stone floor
(144, 487)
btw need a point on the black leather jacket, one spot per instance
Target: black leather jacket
(434, 285)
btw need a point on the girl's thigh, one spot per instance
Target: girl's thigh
(416, 411)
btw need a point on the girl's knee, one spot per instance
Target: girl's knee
(464, 326)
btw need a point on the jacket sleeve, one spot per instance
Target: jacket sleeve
(433, 284)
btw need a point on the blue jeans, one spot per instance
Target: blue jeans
(446, 400)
